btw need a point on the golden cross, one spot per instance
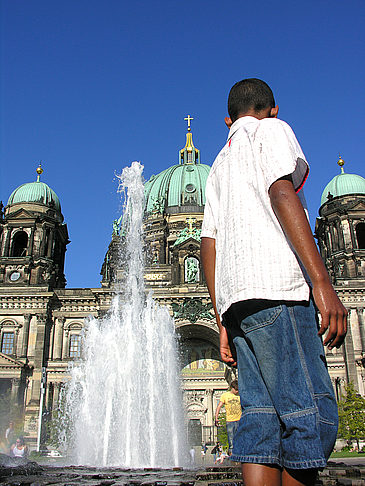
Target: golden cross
(188, 119)
(190, 222)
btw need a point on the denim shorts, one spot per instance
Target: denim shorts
(289, 411)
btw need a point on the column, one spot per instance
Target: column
(65, 345)
(27, 318)
(31, 241)
(360, 318)
(56, 395)
(58, 341)
(210, 411)
(349, 354)
(50, 244)
(7, 242)
(14, 395)
(38, 357)
(43, 242)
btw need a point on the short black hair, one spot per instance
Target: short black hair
(249, 94)
(234, 384)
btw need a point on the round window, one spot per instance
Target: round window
(14, 276)
(190, 188)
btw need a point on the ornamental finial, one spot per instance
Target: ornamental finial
(39, 171)
(341, 163)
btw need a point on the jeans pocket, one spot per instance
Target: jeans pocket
(328, 420)
(327, 408)
(262, 318)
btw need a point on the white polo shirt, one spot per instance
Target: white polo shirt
(254, 260)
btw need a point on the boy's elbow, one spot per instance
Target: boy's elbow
(280, 192)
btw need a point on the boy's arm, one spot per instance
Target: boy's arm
(207, 254)
(220, 405)
(293, 220)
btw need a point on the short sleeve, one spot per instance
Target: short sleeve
(209, 227)
(280, 153)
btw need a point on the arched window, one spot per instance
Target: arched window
(75, 346)
(360, 235)
(8, 343)
(20, 244)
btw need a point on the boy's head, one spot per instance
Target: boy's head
(251, 96)
(234, 386)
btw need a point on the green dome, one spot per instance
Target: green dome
(343, 184)
(179, 185)
(37, 192)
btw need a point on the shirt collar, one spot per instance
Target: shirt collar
(240, 122)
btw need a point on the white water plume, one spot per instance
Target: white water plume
(124, 402)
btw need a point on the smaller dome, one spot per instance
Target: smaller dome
(342, 185)
(37, 192)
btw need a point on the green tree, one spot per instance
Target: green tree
(351, 410)
(222, 431)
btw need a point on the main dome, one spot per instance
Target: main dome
(343, 184)
(36, 192)
(181, 185)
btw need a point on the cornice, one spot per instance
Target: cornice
(14, 302)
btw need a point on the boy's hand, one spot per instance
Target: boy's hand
(224, 347)
(333, 315)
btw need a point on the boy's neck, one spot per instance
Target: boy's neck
(260, 115)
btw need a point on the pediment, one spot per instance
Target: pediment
(7, 361)
(359, 206)
(186, 244)
(20, 214)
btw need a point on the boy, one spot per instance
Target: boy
(257, 249)
(231, 401)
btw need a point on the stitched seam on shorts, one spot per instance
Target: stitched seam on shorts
(267, 410)
(264, 324)
(326, 421)
(322, 395)
(300, 413)
(258, 459)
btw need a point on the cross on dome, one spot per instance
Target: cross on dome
(188, 119)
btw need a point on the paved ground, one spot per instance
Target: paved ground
(334, 475)
(352, 461)
(338, 473)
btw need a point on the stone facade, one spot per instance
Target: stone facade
(340, 230)
(41, 320)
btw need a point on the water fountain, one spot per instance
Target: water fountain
(123, 404)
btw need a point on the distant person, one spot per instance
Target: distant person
(19, 449)
(267, 281)
(192, 456)
(216, 451)
(221, 458)
(203, 451)
(10, 435)
(231, 401)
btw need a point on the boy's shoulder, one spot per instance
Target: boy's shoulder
(273, 124)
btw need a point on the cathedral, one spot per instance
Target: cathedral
(41, 321)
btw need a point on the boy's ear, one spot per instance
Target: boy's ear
(274, 112)
(228, 121)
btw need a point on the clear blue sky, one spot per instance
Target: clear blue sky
(88, 86)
